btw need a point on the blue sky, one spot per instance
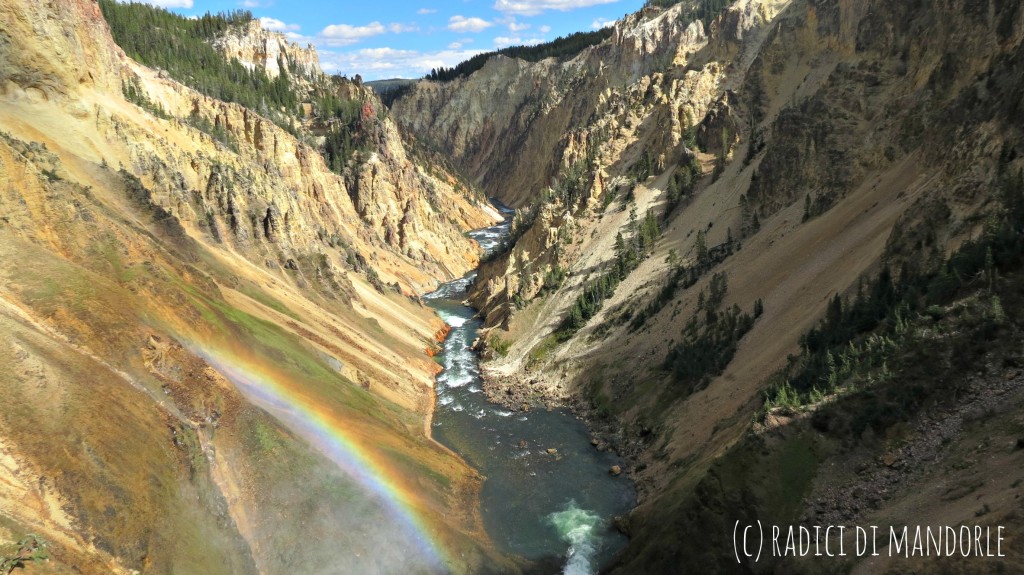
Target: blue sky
(406, 38)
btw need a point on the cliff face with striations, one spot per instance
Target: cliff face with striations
(173, 297)
(792, 149)
(257, 48)
(509, 109)
(268, 194)
(527, 113)
(80, 57)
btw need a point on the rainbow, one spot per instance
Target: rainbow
(327, 432)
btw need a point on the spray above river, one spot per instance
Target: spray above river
(548, 495)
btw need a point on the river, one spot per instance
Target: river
(552, 507)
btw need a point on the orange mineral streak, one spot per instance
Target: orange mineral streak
(439, 336)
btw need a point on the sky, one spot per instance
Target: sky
(406, 38)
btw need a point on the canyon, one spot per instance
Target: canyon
(217, 357)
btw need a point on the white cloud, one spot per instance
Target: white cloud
(514, 26)
(377, 63)
(504, 41)
(345, 34)
(544, 29)
(278, 26)
(171, 3)
(455, 46)
(602, 23)
(471, 24)
(425, 11)
(534, 7)
(255, 3)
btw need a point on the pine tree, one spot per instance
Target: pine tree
(649, 231)
(673, 193)
(620, 249)
(745, 223)
(702, 248)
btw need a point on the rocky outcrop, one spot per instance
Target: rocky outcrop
(48, 54)
(257, 48)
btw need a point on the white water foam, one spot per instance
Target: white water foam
(452, 319)
(455, 321)
(578, 528)
(458, 381)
